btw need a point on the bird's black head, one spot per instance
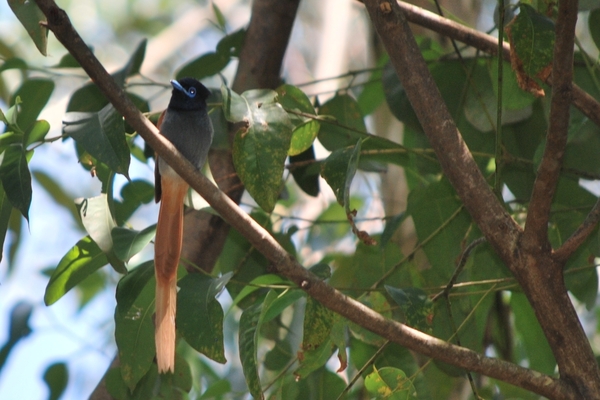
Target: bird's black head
(188, 95)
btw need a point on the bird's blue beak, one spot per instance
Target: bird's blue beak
(189, 93)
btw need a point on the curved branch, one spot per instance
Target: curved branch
(284, 263)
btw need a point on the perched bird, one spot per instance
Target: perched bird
(186, 124)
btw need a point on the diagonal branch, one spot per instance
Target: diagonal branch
(284, 263)
(535, 235)
(501, 231)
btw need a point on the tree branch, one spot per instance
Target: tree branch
(535, 235)
(455, 158)
(481, 41)
(284, 263)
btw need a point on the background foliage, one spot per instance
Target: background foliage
(257, 332)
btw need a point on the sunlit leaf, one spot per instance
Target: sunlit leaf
(390, 383)
(81, 260)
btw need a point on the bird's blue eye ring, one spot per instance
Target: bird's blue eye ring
(192, 92)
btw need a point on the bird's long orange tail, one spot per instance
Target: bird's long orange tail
(167, 250)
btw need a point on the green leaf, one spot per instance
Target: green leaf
(594, 26)
(416, 306)
(260, 150)
(129, 242)
(134, 328)
(306, 176)
(255, 284)
(18, 329)
(391, 226)
(152, 385)
(378, 303)
(294, 101)
(14, 63)
(216, 390)
(199, 318)
(372, 94)
(90, 99)
(37, 133)
(390, 383)
(250, 324)
(433, 211)
(56, 377)
(35, 94)
(531, 36)
(339, 169)
(208, 64)
(134, 194)
(81, 261)
(97, 220)
(347, 125)
(232, 44)
(102, 135)
(318, 321)
(530, 333)
(16, 178)
(5, 212)
(30, 17)
(219, 16)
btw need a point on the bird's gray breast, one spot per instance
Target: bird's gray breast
(191, 132)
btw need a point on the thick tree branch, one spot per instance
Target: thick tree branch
(536, 227)
(283, 263)
(501, 231)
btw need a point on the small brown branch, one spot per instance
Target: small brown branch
(535, 236)
(570, 245)
(481, 41)
(284, 263)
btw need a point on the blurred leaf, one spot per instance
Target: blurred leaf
(216, 390)
(199, 317)
(260, 150)
(594, 26)
(416, 306)
(101, 134)
(208, 64)
(306, 176)
(81, 261)
(18, 329)
(536, 347)
(135, 307)
(16, 178)
(256, 283)
(58, 194)
(372, 94)
(30, 16)
(232, 44)
(129, 242)
(35, 94)
(90, 99)
(390, 383)
(391, 226)
(37, 133)
(218, 15)
(279, 356)
(377, 302)
(56, 377)
(134, 193)
(13, 63)
(5, 211)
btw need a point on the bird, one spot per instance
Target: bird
(186, 124)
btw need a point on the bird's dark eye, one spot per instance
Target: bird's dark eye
(192, 91)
